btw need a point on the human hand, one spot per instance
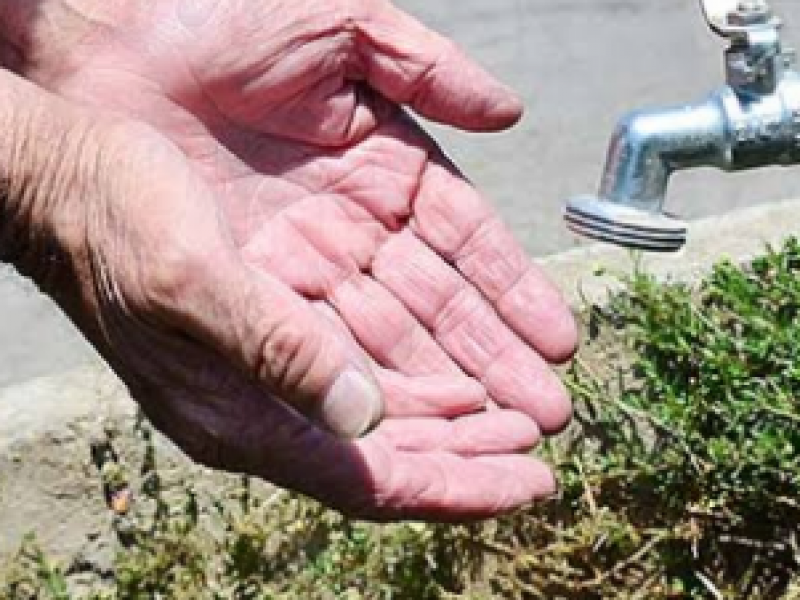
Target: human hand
(294, 139)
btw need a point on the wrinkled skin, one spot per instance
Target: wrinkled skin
(259, 215)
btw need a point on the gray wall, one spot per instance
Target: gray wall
(579, 65)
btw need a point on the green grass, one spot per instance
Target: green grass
(680, 479)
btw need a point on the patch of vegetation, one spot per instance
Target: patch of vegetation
(694, 452)
(680, 479)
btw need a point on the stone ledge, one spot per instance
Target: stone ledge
(84, 396)
(739, 236)
(49, 484)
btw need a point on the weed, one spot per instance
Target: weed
(680, 479)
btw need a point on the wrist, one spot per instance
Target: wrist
(21, 156)
(40, 155)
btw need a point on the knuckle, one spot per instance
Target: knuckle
(463, 307)
(354, 13)
(287, 355)
(175, 274)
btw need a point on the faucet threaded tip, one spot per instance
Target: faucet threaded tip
(625, 225)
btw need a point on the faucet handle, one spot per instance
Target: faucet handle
(735, 19)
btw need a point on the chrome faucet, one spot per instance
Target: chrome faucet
(754, 121)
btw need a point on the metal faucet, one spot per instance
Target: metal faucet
(754, 121)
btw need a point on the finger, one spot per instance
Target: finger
(447, 395)
(410, 64)
(309, 72)
(328, 113)
(369, 478)
(467, 327)
(387, 331)
(314, 244)
(446, 487)
(495, 432)
(452, 218)
(443, 396)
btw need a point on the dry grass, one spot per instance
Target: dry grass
(679, 480)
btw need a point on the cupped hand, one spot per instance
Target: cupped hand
(263, 221)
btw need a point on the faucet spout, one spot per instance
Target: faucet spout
(753, 121)
(648, 146)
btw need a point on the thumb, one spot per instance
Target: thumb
(410, 64)
(282, 342)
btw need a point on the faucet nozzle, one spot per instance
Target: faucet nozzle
(625, 225)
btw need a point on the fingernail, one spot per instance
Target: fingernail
(506, 105)
(353, 407)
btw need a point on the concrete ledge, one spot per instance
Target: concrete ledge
(46, 406)
(738, 236)
(47, 484)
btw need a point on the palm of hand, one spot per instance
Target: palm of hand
(337, 194)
